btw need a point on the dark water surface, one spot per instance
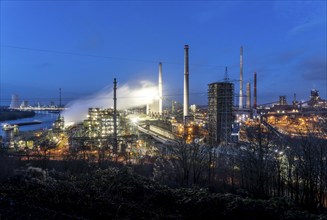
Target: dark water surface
(46, 118)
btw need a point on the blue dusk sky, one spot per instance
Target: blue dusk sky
(80, 46)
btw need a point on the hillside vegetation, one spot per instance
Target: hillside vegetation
(114, 193)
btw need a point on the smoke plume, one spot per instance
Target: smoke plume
(127, 97)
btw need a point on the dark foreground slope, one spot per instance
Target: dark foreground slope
(121, 194)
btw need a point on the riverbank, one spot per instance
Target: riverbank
(6, 115)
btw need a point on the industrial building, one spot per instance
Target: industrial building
(14, 101)
(282, 100)
(59, 124)
(220, 112)
(315, 100)
(100, 122)
(299, 118)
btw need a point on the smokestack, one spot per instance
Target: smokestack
(255, 91)
(115, 147)
(59, 97)
(241, 78)
(59, 102)
(226, 79)
(294, 98)
(186, 83)
(160, 88)
(147, 109)
(248, 95)
(172, 106)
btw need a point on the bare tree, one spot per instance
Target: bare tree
(189, 162)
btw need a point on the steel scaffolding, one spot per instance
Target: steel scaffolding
(220, 112)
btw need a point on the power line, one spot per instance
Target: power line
(76, 54)
(101, 56)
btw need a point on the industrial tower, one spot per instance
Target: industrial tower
(14, 101)
(186, 83)
(160, 89)
(115, 144)
(255, 91)
(220, 112)
(240, 105)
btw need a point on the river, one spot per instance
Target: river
(46, 118)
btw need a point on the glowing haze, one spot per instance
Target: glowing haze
(127, 97)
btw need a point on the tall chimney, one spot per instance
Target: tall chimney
(294, 101)
(59, 102)
(186, 83)
(255, 91)
(160, 88)
(59, 97)
(115, 147)
(148, 109)
(241, 78)
(248, 95)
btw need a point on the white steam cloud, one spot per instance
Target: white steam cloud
(127, 97)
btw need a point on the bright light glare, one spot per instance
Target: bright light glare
(134, 120)
(67, 124)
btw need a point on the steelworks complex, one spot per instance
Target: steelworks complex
(219, 123)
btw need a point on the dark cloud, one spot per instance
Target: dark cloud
(313, 69)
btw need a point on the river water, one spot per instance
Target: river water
(46, 118)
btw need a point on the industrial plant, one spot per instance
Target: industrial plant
(219, 123)
(163, 110)
(230, 143)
